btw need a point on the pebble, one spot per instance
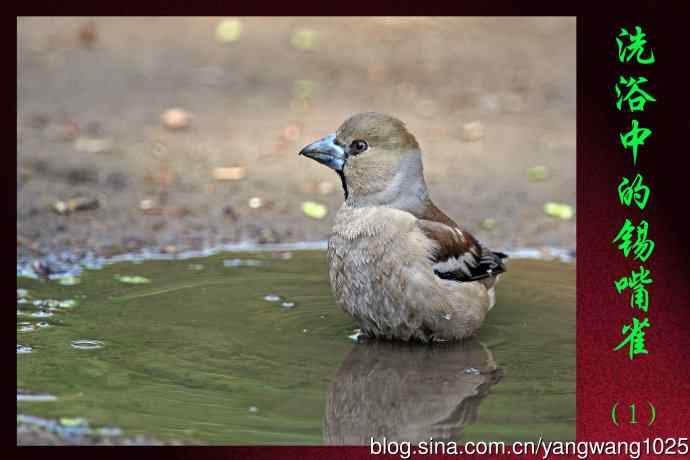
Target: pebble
(176, 119)
(229, 173)
(473, 131)
(147, 204)
(255, 202)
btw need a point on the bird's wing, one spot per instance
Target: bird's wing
(460, 256)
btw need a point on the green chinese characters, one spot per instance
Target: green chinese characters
(635, 338)
(633, 46)
(633, 95)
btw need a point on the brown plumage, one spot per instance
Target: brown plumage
(399, 265)
(408, 393)
(456, 243)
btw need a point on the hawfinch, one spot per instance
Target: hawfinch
(408, 393)
(401, 267)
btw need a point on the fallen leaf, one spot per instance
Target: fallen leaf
(560, 210)
(228, 30)
(304, 39)
(537, 173)
(314, 210)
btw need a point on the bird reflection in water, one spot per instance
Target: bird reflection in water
(408, 392)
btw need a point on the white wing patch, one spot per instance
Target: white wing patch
(454, 264)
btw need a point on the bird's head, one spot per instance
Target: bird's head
(376, 157)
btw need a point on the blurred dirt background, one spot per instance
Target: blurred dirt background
(102, 165)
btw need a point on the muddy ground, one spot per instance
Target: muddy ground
(91, 93)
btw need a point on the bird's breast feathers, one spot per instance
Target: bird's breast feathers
(372, 222)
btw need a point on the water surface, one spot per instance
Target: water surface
(215, 350)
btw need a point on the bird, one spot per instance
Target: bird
(408, 393)
(399, 265)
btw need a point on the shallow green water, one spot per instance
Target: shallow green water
(200, 355)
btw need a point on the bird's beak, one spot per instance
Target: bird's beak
(326, 152)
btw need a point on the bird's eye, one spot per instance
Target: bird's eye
(358, 146)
